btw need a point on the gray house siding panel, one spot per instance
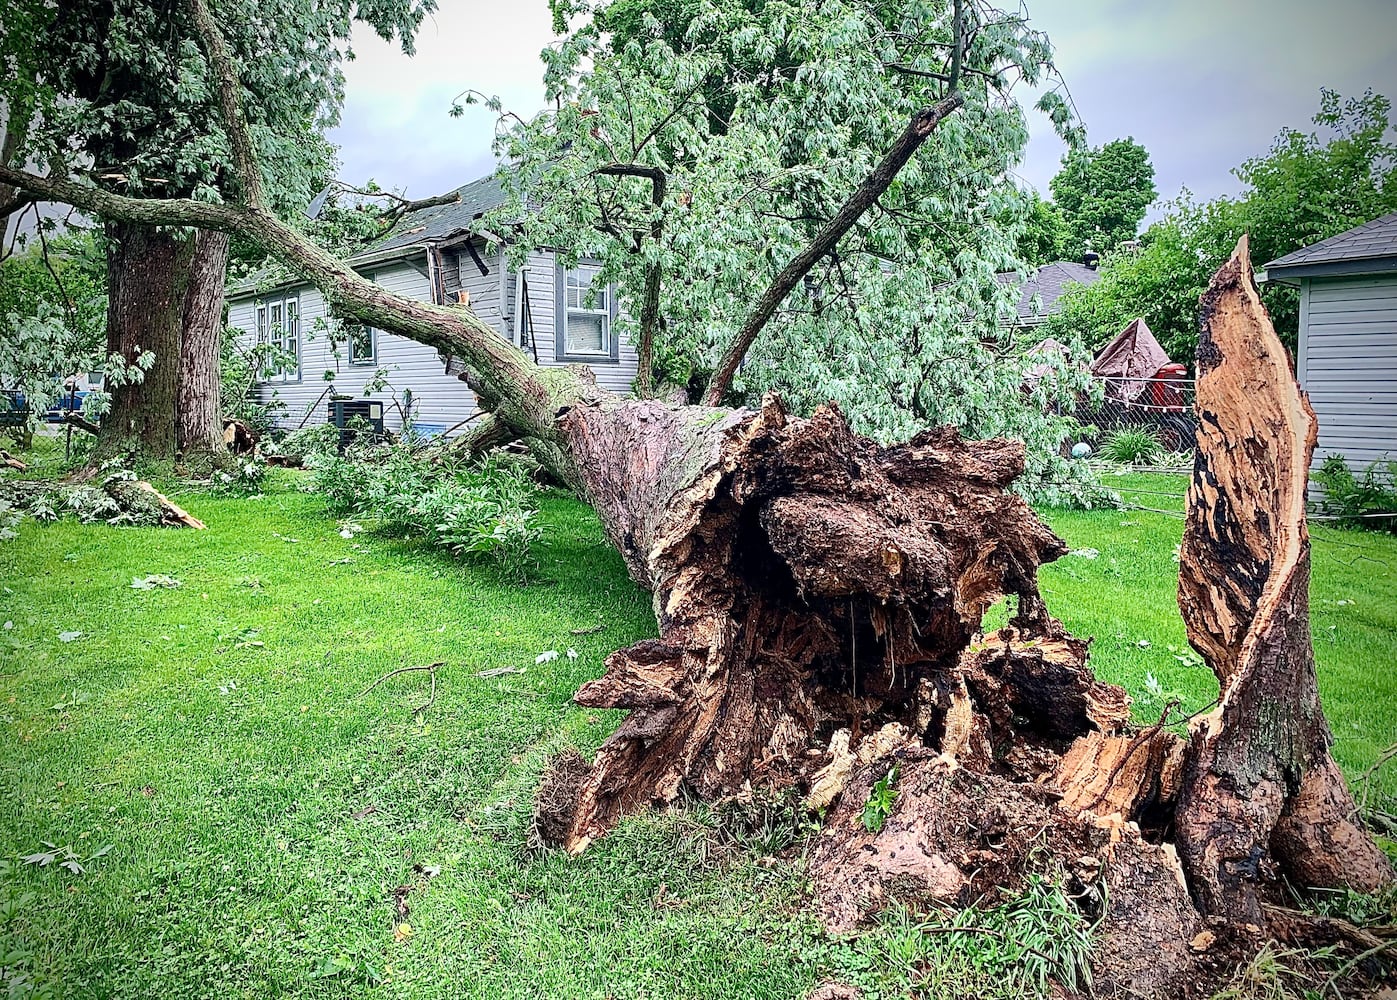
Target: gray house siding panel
(441, 401)
(1348, 365)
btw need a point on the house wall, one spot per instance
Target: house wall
(1348, 365)
(442, 401)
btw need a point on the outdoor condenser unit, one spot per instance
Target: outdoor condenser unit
(342, 411)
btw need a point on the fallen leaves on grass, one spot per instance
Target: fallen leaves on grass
(154, 581)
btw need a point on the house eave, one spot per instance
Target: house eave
(250, 288)
(1290, 274)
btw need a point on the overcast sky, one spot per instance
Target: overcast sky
(1203, 84)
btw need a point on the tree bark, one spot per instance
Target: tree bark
(199, 430)
(147, 278)
(1260, 789)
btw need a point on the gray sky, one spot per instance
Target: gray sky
(1203, 84)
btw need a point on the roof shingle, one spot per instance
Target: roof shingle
(1369, 241)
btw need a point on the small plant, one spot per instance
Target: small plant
(481, 510)
(880, 801)
(245, 478)
(1359, 502)
(1132, 447)
(308, 445)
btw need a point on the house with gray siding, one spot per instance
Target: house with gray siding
(441, 255)
(1346, 356)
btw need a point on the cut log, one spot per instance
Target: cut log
(137, 502)
(238, 437)
(1260, 790)
(147, 505)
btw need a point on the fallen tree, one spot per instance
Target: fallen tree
(819, 600)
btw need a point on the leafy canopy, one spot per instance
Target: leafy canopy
(1103, 194)
(124, 95)
(762, 119)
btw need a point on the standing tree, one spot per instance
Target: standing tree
(1308, 187)
(121, 98)
(1103, 194)
(819, 597)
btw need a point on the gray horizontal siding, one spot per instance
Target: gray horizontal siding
(1348, 365)
(441, 401)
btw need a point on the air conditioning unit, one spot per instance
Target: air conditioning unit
(343, 412)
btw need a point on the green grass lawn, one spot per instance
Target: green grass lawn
(265, 814)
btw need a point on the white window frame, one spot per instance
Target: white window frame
(357, 361)
(572, 301)
(278, 322)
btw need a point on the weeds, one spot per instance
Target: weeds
(481, 510)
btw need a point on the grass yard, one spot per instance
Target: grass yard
(277, 831)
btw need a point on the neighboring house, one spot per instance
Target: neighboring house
(1347, 351)
(1039, 294)
(435, 255)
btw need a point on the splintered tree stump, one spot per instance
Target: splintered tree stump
(820, 602)
(1260, 789)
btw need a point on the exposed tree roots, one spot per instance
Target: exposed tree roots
(820, 601)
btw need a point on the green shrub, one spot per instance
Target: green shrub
(1132, 447)
(1356, 500)
(243, 478)
(479, 510)
(306, 445)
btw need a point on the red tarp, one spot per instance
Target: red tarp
(1128, 360)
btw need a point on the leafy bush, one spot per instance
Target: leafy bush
(481, 510)
(244, 478)
(1353, 499)
(307, 445)
(1132, 447)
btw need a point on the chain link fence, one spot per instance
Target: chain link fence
(1161, 408)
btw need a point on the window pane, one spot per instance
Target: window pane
(586, 334)
(261, 324)
(361, 342)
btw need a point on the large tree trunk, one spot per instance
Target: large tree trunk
(1260, 788)
(199, 425)
(147, 277)
(165, 296)
(806, 581)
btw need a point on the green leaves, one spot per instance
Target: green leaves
(880, 801)
(1103, 194)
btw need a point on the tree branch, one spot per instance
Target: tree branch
(650, 301)
(923, 123)
(459, 332)
(239, 138)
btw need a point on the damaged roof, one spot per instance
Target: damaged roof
(1367, 249)
(430, 225)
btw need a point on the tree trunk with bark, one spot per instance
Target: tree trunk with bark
(147, 278)
(165, 296)
(1260, 790)
(199, 424)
